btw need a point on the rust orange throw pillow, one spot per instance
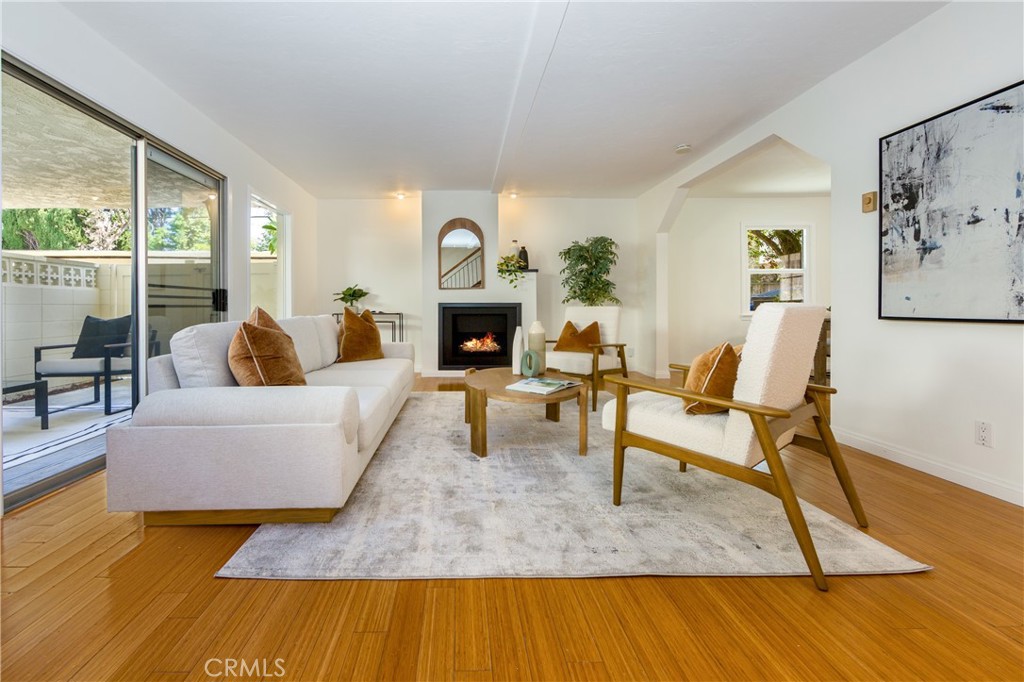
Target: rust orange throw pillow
(578, 340)
(713, 374)
(359, 338)
(261, 354)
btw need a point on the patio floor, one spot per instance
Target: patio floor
(75, 436)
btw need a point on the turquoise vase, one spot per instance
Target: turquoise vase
(531, 363)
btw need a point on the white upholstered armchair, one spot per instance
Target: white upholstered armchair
(771, 398)
(608, 357)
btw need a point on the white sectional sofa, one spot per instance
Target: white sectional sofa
(201, 449)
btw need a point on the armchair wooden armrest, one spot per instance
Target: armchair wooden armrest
(685, 369)
(750, 408)
(607, 345)
(816, 388)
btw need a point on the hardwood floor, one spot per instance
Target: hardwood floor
(88, 595)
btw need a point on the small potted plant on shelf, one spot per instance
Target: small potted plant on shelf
(587, 266)
(511, 269)
(351, 296)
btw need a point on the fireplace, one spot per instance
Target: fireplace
(476, 335)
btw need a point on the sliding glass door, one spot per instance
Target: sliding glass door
(110, 245)
(67, 289)
(183, 263)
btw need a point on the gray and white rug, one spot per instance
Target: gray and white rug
(428, 508)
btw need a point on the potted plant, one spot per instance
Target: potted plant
(587, 266)
(351, 296)
(510, 269)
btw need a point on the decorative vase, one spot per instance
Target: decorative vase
(537, 344)
(531, 363)
(525, 257)
(514, 251)
(517, 351)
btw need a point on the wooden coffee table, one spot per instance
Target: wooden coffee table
(489, 384)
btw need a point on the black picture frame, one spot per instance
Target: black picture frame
(951, 214)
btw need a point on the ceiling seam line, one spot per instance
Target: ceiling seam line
(529, 111)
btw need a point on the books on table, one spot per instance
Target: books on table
(541, 385)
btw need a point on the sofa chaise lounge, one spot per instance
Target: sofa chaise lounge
(201, 449)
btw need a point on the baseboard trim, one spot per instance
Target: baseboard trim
(237, 517)
(969, 478)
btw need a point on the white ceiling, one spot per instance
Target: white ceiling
(551, 98)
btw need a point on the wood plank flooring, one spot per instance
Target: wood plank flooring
(88, 595)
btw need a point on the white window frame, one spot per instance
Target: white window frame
(284, 260)
(746, 271)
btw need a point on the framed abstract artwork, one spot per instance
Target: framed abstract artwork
(951, 223)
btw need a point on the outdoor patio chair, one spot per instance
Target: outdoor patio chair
(99, 353)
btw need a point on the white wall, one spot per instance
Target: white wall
(546, 226)
(53, 40)
(375, 244)
(438, 207)
(383, 245)
(909, 391)
(705, 259)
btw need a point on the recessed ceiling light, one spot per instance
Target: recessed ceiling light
(683, 148)
(95, 198)
(211, 196)
(514, 195)
(400, 195)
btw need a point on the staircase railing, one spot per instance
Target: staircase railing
(466, 274)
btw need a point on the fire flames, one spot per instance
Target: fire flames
(488, 344)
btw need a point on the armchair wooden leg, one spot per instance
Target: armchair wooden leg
(621, 398)
(790, 503)
(682, 466)
(828, 439)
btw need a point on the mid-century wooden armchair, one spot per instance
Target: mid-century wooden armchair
(771, 398)
(607, 357)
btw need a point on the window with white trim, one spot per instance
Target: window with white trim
(775, 265)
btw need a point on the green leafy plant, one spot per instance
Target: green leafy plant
(587, 266)
(351, 295)
(510, 269)
(268, 240)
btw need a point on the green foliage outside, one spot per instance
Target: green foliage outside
(771, 249)
(587, 266)
(45, 229)
(172, 229)
(267, 240)
(80, 229)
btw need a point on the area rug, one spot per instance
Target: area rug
(428, 508)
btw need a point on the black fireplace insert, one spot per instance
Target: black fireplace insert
(476, 335)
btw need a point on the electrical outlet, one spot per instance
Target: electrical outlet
(983, 434)
(629, 352)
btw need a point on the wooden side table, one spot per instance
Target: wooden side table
(489, 384)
